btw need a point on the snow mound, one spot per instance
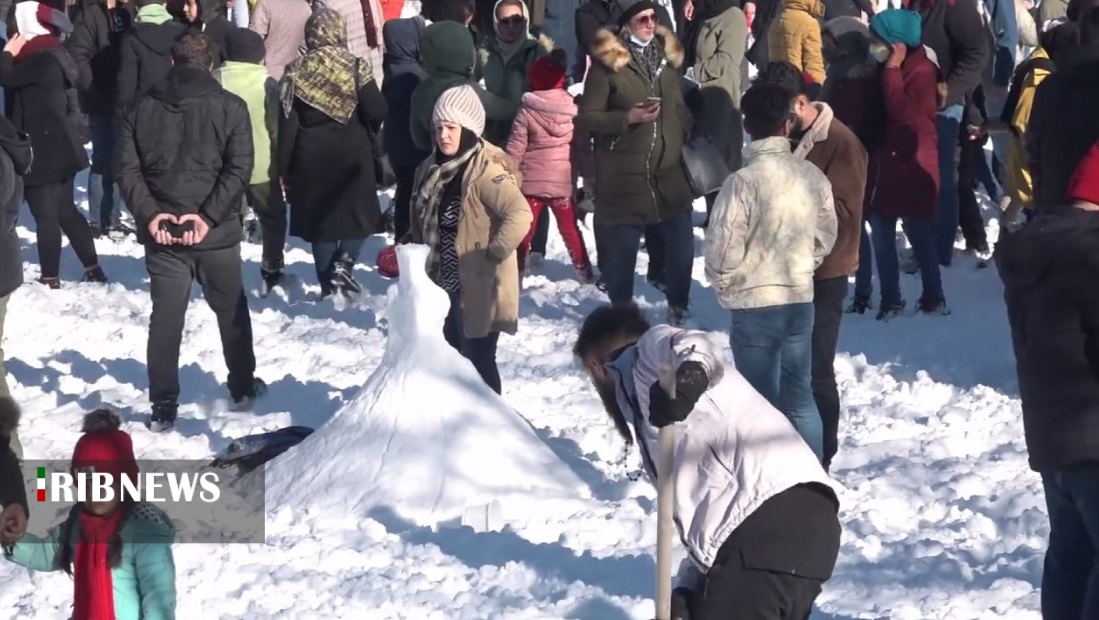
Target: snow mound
(425, 439)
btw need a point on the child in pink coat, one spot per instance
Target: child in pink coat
(541, 142)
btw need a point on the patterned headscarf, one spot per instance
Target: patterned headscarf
(327, 77)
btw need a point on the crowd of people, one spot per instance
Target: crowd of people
(211, 123)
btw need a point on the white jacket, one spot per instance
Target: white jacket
(772, 224)
(733, 452)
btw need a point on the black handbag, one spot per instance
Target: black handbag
(704, 166)
(383, 169)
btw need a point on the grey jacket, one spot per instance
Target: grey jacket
(718, 59)
(732, 453)
(772, 224)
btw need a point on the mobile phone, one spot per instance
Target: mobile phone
(177, 230)
(652, 100)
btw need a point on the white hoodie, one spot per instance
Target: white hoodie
(733, 452)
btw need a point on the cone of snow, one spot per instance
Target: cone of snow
(426, 439)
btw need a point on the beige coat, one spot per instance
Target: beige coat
(494, 220)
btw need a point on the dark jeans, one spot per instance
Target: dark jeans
(218, 272)
(921, 234)
(828, 297)
(1070, 579)
(326, 253)
(480, 351)
(541, 233)
(54, 213)
(773, 349)
(618, 247)
(946, 125)
(270, 208)
(972, 166)
(773, 565)
(101, 185)
(402, 201)
(863, 285)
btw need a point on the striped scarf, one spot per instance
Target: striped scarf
(426, 203)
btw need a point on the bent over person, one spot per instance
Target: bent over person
(753, 506)
(190, 223)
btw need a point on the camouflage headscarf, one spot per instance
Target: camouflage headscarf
(327, 77)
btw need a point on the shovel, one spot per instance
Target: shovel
(665, 496)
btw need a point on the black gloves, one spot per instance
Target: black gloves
(690, 383)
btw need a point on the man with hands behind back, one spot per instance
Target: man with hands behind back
(752, 504)
(183, 161)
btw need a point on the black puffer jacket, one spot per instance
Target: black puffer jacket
(187, 148)
(96, 46)
(15, 160)
(145, 58)
(1047, 268)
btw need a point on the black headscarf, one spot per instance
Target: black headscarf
(704, 10)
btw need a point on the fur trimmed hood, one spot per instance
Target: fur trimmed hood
(610, 49)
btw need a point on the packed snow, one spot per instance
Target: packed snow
(942, 518)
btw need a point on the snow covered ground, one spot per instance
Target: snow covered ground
(942, 518)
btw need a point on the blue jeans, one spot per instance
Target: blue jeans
(947, 125)
(921, 234)
(326, 253)
(1070, 579)
(101, 185)
(773, 349)
(863, 286)
(618, 247)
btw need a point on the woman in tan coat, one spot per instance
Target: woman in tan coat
(467, 207)
(795, 37)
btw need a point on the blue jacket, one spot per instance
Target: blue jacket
(1005, 34)
(145, 580)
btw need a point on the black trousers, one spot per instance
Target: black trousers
(402, 200)
(54, 213)
(267, 203)
(541, 233)
(481, 352)
(828, 297)
(969, 210)
(218, 272)
(773, 565)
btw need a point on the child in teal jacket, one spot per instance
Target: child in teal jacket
(118, 553)
(245, 75)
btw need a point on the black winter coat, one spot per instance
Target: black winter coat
(38, 106)
(1063, 124)
(96, 46)
(1047, 269)
(187, 148)
(955, 31)
(145, 58)
(329, 167)
(12, 489)
(15, 160)
(403, 72)
(212, 23)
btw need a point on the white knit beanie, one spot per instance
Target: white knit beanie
(461, 105)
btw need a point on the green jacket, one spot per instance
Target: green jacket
(508, 80)
(145, 581)
(260, 93)
(639, 177)
(450, 58)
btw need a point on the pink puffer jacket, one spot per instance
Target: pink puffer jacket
(541, 140)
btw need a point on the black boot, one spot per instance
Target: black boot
(343, 277)
(243, 402)
(163, 417)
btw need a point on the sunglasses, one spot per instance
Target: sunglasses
(517, 20)
(645, 20)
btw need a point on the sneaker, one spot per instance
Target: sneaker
(859, 305)
(119, 232)
(678, 316)
(163, 417)
(252, 232)
(272, 278)
(94, 274)
(601, 284)
(244, 402)
(933, 305)
(343, 279)
(52, 283)
(889, 311)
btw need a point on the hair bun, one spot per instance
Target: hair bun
(102, 419)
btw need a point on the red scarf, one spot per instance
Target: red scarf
(94, 587)
(39, 43)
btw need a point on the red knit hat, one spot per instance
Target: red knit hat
(1085, 181)
(548, 72)
(104, 446)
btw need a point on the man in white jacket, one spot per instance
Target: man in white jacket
(772, 224)
(753, 506)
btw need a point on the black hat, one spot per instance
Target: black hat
(630, 8)
(243, 45)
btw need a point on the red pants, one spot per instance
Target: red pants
(566, 224)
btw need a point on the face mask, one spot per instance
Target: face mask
(880, 52)
(638, 42)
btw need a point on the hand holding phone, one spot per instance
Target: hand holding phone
(176, 230)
